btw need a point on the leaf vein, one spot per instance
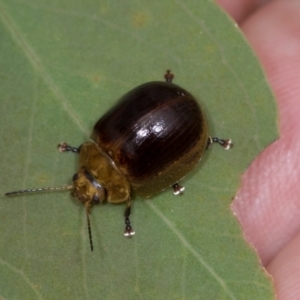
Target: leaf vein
(38, 66)
(23, 276)
(196, 254)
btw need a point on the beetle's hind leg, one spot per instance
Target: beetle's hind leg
(169, 76)
(64, 147)
(128, 229)
(177, 189)
(226, 144)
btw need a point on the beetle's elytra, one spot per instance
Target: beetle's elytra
(147, 142)
(155, 135)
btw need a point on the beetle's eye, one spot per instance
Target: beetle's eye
(96, 199)
(75, 177)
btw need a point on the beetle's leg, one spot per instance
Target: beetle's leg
(128, 229)
(169, 76)
(64, 147)
(177, 189)
(226, 144)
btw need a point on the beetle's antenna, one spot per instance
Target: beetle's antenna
(65, 187)
(87, 209)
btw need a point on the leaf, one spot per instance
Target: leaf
(63, 64)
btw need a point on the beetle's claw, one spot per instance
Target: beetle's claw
(227, 144)
(62, 147)
(129, 232)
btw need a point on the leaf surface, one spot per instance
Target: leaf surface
(62, 65)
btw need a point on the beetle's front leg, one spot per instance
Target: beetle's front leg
(64, 147)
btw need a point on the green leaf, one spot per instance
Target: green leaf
(62, 65)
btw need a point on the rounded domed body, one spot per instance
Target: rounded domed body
(155, 135)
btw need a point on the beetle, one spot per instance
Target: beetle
(152, 138)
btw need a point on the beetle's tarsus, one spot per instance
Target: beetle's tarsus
(226, 144)
(64, 147)
(178, 189)
(129, 232)
(169, 76)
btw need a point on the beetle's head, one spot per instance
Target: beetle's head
(87, 189)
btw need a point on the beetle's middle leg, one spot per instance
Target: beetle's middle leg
(226, 144)
(129, 232)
